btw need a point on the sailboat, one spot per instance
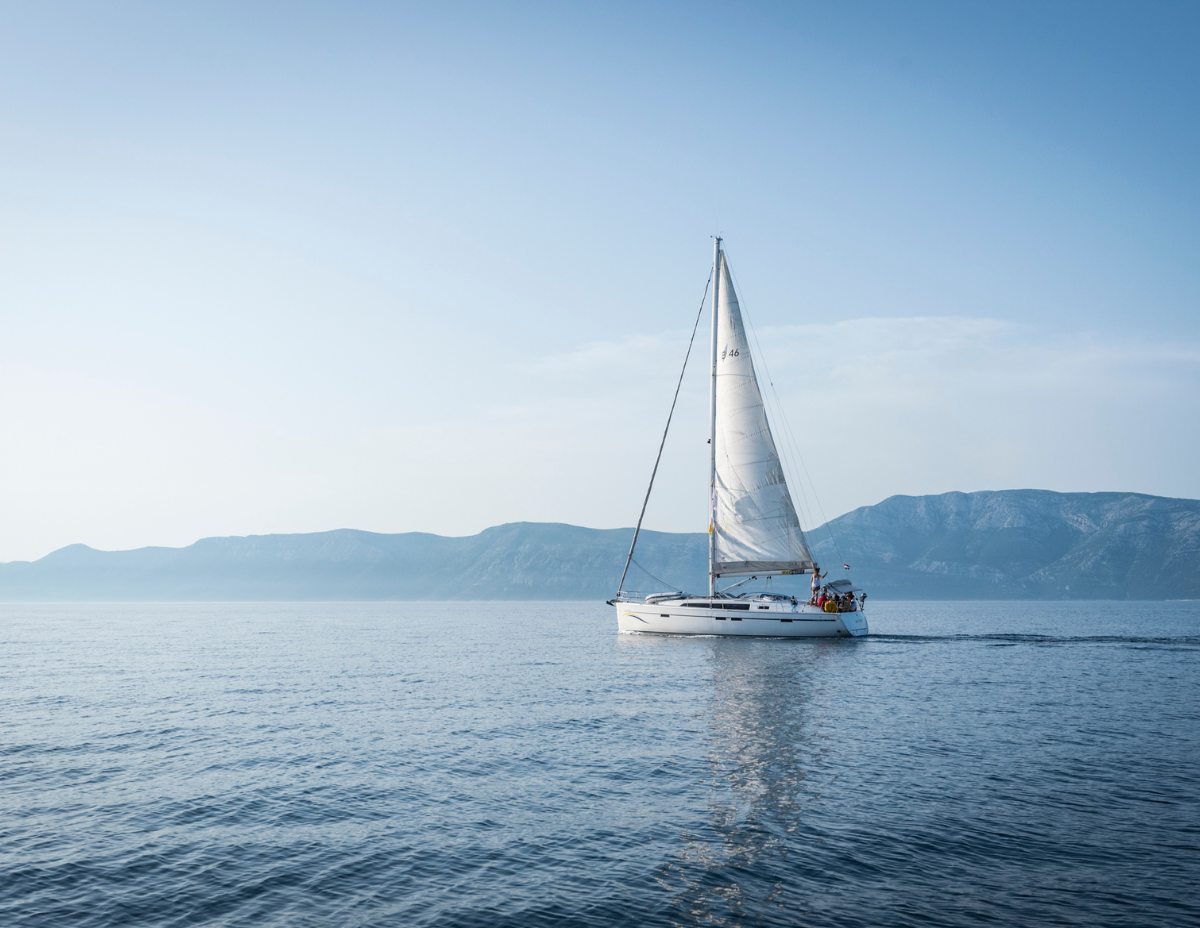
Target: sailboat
(753, 530)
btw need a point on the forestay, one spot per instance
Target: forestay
(754, 522)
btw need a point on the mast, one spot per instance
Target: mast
(712, 435)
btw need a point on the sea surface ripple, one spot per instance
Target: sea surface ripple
(465, 764)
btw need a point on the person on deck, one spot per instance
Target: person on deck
(816, 583)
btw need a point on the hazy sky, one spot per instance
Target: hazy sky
(295, 267)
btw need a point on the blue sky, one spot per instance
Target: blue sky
(270, 267)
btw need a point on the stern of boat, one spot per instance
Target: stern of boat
(855, 622)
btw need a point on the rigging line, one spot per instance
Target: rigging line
(787, 429)
(637, 530)
(792, 446)
(739, 583)
(824, 518)
(791, 439)
(670, 586)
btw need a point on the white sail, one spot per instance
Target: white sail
(753, 520)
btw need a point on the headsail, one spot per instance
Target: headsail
(754, 522)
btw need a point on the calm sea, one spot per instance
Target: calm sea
(523, 764)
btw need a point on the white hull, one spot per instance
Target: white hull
(738, 618)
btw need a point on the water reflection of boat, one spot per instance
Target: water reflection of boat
(766, 765)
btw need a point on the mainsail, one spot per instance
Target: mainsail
(754, 524)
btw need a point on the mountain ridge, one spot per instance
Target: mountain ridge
(992, 544)
(1029, 544)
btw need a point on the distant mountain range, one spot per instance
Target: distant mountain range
(1017, 544)
(1007, 544)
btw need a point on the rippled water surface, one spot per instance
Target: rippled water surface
(523, 764)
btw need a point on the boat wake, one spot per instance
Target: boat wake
(1190, 642)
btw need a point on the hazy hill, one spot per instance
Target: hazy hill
(1003, 544)
(1015, 544)
(522, 560)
